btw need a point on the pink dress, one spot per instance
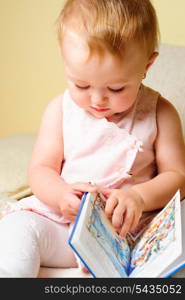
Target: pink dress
(115, 155)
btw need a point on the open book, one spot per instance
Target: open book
(154, 250)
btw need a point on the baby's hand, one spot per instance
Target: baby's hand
(71, 198)
(84, 270)
(124, 208)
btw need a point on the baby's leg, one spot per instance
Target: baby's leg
(19, 250)
(55, 249)
(28, 240)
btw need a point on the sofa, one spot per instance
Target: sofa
(167, 75)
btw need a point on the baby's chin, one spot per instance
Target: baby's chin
(99, 115)
(116, 117)
(111, 117)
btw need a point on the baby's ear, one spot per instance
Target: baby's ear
(151, 60)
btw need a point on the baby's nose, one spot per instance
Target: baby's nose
(98, 98)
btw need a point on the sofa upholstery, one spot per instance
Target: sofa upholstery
(167, 76)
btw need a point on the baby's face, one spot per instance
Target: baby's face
(103, 86)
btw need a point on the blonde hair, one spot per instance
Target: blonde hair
(110, 24)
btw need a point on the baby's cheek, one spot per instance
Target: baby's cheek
(80, 99)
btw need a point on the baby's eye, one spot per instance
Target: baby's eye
(82, 87)
(116, 90)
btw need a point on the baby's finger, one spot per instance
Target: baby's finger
(110, 206)
(74, 203)
(127, 223)
(84, 187)
(118, 216)
(84, 270)
(78, 194)
(70, 216)
(105, 191)
(135, 222)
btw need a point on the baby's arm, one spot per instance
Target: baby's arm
(46, 162)
(125, 207)
(170, 159)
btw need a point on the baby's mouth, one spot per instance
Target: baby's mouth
(100, 109)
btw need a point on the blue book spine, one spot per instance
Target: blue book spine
(73, 232)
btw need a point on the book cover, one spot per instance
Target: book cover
(140, 254)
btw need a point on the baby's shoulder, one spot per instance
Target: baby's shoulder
(164, 105)
(56, 101)
(55, 104)
(53, 111)
(166, 110)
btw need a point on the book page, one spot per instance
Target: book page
(143, 223)
(179, 263)
(161, 238)
(97, 244)
(100, 228)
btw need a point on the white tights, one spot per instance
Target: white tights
(28, 241)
